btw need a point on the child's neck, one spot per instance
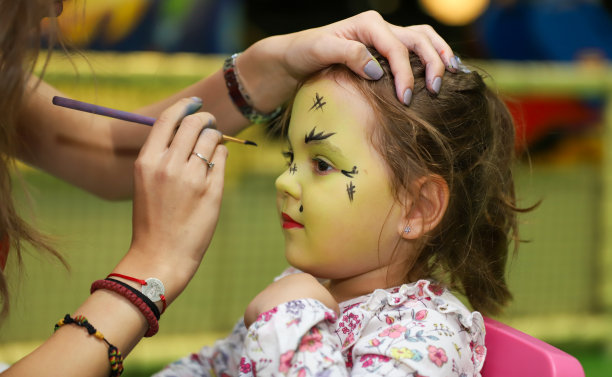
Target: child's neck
(383, 278)
(355, 286)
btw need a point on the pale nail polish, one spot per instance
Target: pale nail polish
(373, 70)
(437, 83)
(453, 63)
(407, 97)
(196, 99)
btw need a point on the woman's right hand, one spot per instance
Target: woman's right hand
(177, 197)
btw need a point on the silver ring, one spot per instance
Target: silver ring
(210, 164)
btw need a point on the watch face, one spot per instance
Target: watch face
(154, 289)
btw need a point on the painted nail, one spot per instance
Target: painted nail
(373, 69)
(453, 63)
(407, 97)
(196, 99)
(437, 83)
(210, 124)
(462, 66)
(192, 108)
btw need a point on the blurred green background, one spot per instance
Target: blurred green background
(560, 278)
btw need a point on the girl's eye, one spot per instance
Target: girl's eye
(321, 166)
(288, 155)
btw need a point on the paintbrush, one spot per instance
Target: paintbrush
(123, 115)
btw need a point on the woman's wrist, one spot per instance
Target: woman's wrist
(264, 74)
(173, 273)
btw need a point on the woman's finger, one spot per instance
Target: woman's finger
(187, 135)
(445, 52)
(423, 47)
(371, 29)
(202, 154)
(164, 128)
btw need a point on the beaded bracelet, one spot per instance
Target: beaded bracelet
(114, 356)
(239, 96)
(133, 298)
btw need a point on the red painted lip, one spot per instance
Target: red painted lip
(289, 223)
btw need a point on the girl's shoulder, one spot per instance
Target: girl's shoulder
(423, 298)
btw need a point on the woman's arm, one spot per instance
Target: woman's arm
(177, 199)
(97, 153)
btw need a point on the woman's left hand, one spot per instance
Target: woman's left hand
(291, 287)
(273, 66)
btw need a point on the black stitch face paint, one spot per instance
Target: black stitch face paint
(318, 103)
(350, 173)
(301, 208)
(293, 169)
(312, 136)
(350, 189)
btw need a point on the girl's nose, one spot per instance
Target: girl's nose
(287, 183)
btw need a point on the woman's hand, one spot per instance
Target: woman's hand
(177, 197)
(288, 288)
(274, 65)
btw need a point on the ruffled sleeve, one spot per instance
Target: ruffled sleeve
(418, 329)
(295, 338)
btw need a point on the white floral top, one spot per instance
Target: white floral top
(417, 329)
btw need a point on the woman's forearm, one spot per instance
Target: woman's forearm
(71, 351)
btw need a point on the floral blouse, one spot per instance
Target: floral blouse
(417, 329)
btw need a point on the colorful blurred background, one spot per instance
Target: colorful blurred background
(549, 59)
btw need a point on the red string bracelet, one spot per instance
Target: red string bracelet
(145, 283)
(133, 298)
(139, 281)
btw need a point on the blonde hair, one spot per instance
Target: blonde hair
(20, 39)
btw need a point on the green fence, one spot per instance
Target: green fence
(561, 279)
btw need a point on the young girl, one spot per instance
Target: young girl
(385, 209)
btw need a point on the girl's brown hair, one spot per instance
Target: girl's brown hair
(20, 39)
(465, 134)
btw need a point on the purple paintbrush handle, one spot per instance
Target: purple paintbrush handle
(101, 110)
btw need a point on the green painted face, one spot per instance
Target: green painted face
(340, 219)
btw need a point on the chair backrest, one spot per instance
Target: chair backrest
(511, 353)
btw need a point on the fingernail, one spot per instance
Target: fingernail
(462, 66)
(407, 97)
(196, 99)
(373, 70)
(453, 63)
(192, 108)
(437, 83)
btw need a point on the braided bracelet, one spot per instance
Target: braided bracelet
(144, 298)
(152, 288)
(239, 96)
(114, 356)
(133, 298)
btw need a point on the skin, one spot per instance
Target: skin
(116, 160)
(324, 248)
(348, 242)
(358, 245)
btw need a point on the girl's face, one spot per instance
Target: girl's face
(339, 217)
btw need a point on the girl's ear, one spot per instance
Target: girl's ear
(423, 212)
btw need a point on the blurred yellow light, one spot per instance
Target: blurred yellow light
(455, 12)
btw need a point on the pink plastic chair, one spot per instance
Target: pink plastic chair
(511, 353)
